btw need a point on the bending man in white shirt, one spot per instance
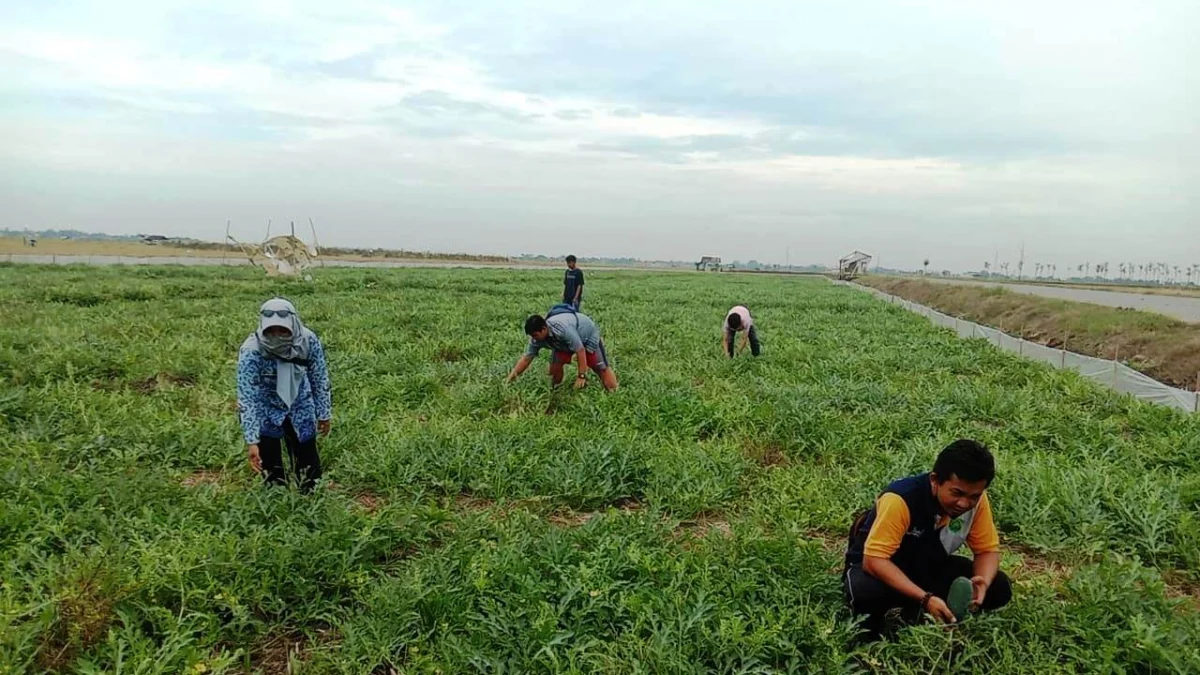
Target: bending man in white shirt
(738, 320)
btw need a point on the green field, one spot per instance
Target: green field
(688, 523)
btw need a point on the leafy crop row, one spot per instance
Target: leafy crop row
(687, 523)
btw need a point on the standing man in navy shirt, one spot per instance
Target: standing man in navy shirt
(573, 284)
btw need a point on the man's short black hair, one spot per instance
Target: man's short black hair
(970, 460)
(734, 320)
(570, 258)
(534, 324)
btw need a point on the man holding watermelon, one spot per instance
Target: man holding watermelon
(900, 559)
(568, 334)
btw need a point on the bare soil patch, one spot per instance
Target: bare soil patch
(465, 501)
(450, 354)
(567, 517)
(703, 524)
(766, 454)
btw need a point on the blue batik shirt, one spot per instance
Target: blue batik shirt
(263, 412)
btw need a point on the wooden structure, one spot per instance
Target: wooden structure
(853, 265)
(282, 255)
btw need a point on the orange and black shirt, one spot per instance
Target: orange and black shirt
(906, 527)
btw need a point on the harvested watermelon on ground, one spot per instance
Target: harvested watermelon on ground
(959, 598)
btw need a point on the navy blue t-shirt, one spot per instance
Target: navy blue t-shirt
(572, 281)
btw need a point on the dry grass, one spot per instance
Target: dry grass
(136, 249)
(766, 454)
(567, 517)
(1035, 564)
(466, 501)
(450, 354)
(83, 612)
(286, 653)
(16, 246)
(1164, 348)
(163, 381)
(369, 502)
(1182, 585)
(703, 524)
(202, 477)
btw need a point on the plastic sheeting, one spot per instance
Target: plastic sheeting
(1111, 374)
(284, 255)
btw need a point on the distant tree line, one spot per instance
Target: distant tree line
(69, 234)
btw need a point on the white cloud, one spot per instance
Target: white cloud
(118, 65)
(140, 76)
(860, 174)
(838, 126)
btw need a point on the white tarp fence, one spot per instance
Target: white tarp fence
(1111, 374)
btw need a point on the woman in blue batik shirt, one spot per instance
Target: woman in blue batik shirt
(283, 395)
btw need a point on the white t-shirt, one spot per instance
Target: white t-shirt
(743, 313)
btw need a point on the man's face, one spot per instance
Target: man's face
(956, 496)
(571, 264)
(541, 335)
(277, 332)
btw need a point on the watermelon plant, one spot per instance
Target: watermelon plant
(690, 522)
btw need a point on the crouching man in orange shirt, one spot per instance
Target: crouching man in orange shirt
(900, 560)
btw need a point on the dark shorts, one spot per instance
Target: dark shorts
(597, 360)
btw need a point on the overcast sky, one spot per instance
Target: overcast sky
(672, 129)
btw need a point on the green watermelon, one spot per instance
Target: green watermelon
(959, 598)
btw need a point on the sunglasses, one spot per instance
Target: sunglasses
(281, 313)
